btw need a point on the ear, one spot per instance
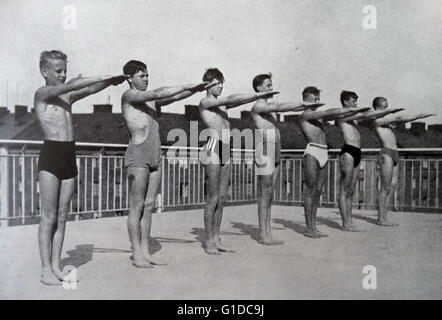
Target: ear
(44, 72)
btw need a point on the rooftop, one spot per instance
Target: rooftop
(407, 258)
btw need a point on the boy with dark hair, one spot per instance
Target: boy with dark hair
(388, 157)
(143, 154)
(216, 153)
(268, 150)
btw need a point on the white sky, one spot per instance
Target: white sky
(302, 42)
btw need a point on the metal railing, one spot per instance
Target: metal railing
(102, 184)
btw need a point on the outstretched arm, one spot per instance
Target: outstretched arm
(74, 84)
(396, 120)
(331, 114)
(136, 96)
(235, 100)
(371, 115)
(285, 106)
(96, 87)
(183, 95)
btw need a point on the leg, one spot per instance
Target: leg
(266, 195)
(388, 175)
(347, 169)
(322, 176)
(67, 189)
(213, 180)
(50, 188)
(138, 182)
(310, 166)
(146, 221)
(350, 195)
(275, 177)
(222, 199)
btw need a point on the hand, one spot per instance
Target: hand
(197, 87)
(211, 84)
(397, 110)
(426, 115)
(115, 81)
(266, 95)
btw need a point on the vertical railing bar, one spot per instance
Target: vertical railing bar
(107, 182)
(23, 191)
(13, 186)
(121, 182)
(114, 184)
(32, 185)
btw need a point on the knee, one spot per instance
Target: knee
(48, 217)
(149, 204)
(62, 218)
(212, 199)
(222, 199)
(137, 206)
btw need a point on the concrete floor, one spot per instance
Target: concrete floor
(408, 259)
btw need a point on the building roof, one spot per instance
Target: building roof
(110, 128)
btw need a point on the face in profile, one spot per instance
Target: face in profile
(217, 89)
(54, 71)
(383, 105)
(314, 98)
(266, 86)
(351, 103)
(140, 80)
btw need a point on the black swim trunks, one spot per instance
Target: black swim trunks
(58, 158)
(355, 152)
(221, 149)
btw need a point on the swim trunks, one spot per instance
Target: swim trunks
(146, 154)
(221, 149)
(58, 158)
(318, 151)
(267, 149)
(393, 154)
(355, 152)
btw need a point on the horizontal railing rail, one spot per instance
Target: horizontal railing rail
(102, 184)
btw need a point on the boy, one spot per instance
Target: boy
(57, 165)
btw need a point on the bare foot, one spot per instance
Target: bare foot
(48, 278)
(321, 234)
(211, 249)
(222, 248)
(386, 223)
(141, 263)
(312, 234)
(62, 276)
(155, 261)
(268, 241)
(279, 242)
(351, 228)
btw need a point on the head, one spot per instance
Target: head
(138, 76)
(311, 94)
(349, 99)
(214, 75)
(263, 83)
(53, 66)
(380, 103)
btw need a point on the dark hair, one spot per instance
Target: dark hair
(133, 66)
(213, 73)
(259, 79)
(310, 90)
(346, 95)
(377, 102)
(53, 54)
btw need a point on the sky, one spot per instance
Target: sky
(301, 42)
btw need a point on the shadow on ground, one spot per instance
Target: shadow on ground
(298, 228)
(248, 229)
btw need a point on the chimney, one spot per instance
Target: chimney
(3, 111)
(191, 112)
(291, 118)
(417, 128)
(435, 127)
(246, 115)
(102, 108)
(20, 111)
